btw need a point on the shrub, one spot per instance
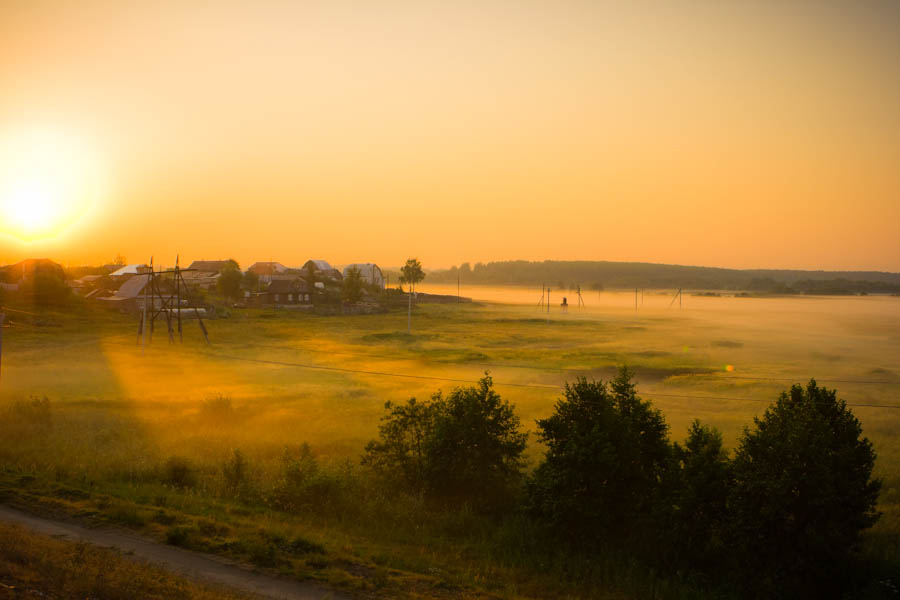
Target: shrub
(607, 451)
(179, 472)
(236, 474)
(465, 447)
(803, 494)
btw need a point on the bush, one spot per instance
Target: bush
(465, 447)
(179, 472)
(48, 290)
(803, 494)
(607, 451)
(236, 474)
(305, 485)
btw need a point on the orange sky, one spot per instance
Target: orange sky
(740, 134)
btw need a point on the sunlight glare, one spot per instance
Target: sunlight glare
(48, 182)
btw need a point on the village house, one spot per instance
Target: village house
(370, 272)
(280, 293)
(268, 271)
(323, 273)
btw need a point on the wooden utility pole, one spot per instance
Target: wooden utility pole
(2, 320)
(635, 298)
(409, 313)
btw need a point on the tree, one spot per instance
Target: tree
(353, 285)
(475, 448)
(607, 450)
(229, 283)
(465, 447)
(412, 274)
(692, 512)
(803, 494)
(47, 289)
(251, 280)
(119, 260)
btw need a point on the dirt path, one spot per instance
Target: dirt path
(193, 565)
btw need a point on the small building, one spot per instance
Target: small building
(371, 273)
(322, 271)
(200, 279)
(267, 271)
(211, 266)
(282, 292)
(129, 271)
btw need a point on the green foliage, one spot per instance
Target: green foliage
(352, 285)
(229, 283)
(47, 290)
(179, 472)
(304, 485)
(607, 451)
(236, 472)
(692, 514)
(399, 455)
(475, 448)
(250, 281)
(412, 273)
(465, 447)
(803, 494)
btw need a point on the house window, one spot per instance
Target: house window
(307, 297)
(277, 297)
(290, 297)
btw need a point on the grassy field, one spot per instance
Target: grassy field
(122, 427)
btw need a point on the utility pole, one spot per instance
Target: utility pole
(409, 313)
(635, 298)
(548, 305)
(457, 287)
(2, 319)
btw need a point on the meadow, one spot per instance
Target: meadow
(96, 425)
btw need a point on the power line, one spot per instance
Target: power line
(560, 369)
(500, 383)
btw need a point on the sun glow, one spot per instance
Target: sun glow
(48, 182)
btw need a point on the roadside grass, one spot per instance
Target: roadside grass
(33, 565)
(142, 440)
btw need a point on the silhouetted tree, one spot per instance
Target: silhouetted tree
(352, 285)
(803, 493)
(464, 447)
(412, 273)
(229, 283)
(606, 452)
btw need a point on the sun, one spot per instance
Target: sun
(48, 183)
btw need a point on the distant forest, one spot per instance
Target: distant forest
(597, 275)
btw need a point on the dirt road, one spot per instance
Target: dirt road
(193, 565)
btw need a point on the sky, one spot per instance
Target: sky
(735, 134)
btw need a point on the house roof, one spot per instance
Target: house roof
(370, 271)
(321, 265)
(131, 288)
(288, 286)
(267, 268)
(128, 270)
(210, 266)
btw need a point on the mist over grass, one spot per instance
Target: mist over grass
(150, 439)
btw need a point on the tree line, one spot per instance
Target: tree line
(607, 274)
(782, 517)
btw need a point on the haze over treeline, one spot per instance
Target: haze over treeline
(606, 274)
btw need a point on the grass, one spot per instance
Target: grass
(143, 439)
(33, 565)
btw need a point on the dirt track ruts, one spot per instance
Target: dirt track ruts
(193, 565)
